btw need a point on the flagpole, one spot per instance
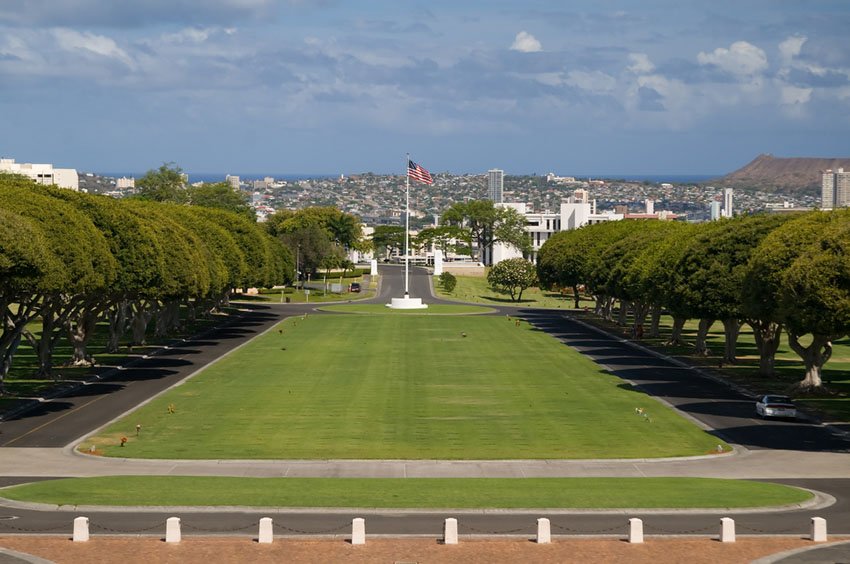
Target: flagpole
(406, 223)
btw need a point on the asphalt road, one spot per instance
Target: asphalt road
(730, 414)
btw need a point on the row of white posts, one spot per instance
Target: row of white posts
(358, 530)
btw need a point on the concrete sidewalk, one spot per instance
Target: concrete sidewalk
(742, 463)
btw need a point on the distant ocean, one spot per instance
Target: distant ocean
(219, 177)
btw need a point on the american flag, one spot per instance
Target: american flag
(418, 173)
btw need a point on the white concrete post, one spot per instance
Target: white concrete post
(818, 529)
(81, 529)
(727, 529)
(450, 531)
(544, 535)
(358, 531)
(438, 262)
(266, 534)
(172, 529)
(373, 271)
(635, 530)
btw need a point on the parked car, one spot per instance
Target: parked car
(354, 287)
(776, 406)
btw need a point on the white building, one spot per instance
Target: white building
(233, 181)
(714, 210)
(495, 184)
(835, 189)
(125, 182)
(541, 226)
(727, 202)
(43, 173)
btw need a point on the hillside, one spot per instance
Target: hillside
(788, 175)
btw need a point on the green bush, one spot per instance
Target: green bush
(448, 281)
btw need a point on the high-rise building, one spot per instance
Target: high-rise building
(233, 181)
(835, 189)
(495, 184)
(727, 202)
(714, 210)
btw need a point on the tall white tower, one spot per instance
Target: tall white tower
(495, 184)
(727, 202)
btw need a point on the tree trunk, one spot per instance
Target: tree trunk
(622, 318)
(607, 306)
(117, 318)
(80, 331)
(676, 335)
(700, 347)
(731, 330)
(142, 314)
(14, 322)
(640, 309)
(814, 357)
(599, 308)
(766, 335)
(576, 296)
(655, 324)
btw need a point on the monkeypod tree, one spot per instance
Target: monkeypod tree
(563, 260)
(87, 264)
(488, 224)
(709, 275)
(814, 296)
(513, 275)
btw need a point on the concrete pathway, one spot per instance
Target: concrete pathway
(754, 464)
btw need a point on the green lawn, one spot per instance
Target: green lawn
(474, 289)
(403, 387)
(444, 493)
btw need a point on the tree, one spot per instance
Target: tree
(222, 196)
(710, 273)
(163, 185)
(488, 224)
(448, 281)
(513, 275)
(799, 277)
(312, 245)
(388, 238)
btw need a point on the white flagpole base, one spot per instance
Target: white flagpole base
(407, 303)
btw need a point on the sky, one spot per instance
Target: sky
(337, 86)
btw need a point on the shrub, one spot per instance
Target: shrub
(448, 281)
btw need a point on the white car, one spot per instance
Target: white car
(776, 406)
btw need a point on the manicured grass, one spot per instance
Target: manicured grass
(403, 387)
(455, 493)
(474, 289)
(432, 309)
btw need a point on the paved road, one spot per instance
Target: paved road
(794, 451)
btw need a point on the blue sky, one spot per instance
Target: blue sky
(334, 86)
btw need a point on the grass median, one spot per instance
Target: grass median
(424, 493)
(403, 387)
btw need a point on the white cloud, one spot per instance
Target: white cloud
(526, 43)
(71, 40)
(640, 63)
(595, 81)
(793, 95)
(741, 59)
(791, 47)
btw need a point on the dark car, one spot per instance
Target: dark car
(354, 287)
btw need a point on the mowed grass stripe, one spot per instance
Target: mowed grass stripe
(399, 387)
(434, 493)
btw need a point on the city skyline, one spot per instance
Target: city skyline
(327, 87)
